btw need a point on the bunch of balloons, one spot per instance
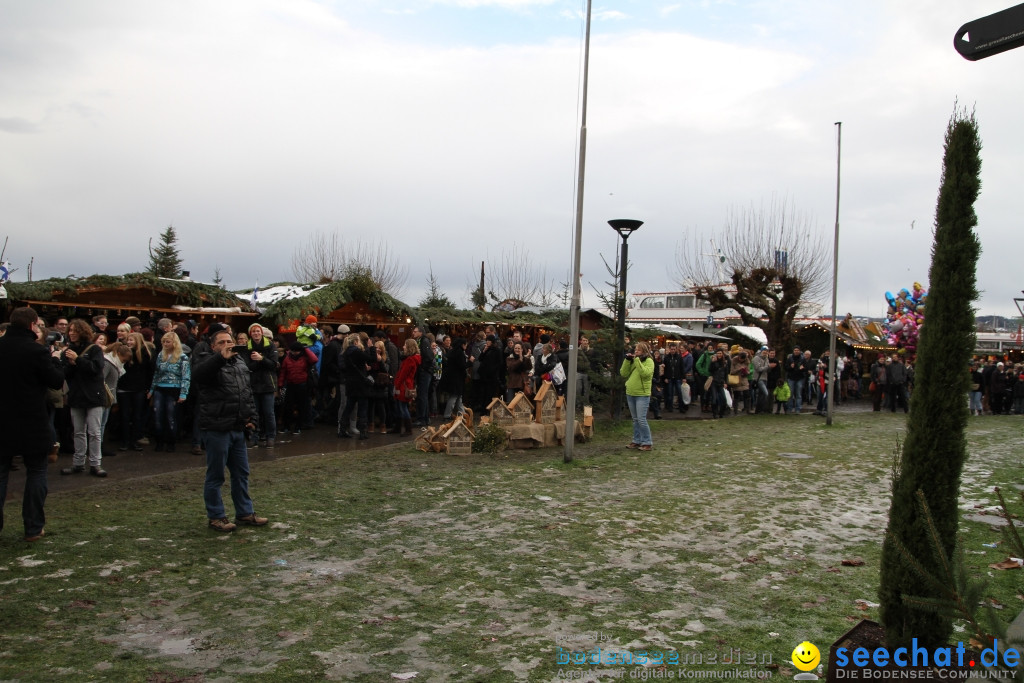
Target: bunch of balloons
(905, 316)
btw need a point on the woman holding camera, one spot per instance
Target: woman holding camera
(83, 362)
(638, 370)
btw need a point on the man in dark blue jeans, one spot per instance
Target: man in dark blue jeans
(27, 370)
(424, 375)
(226, 410)
(796, 377)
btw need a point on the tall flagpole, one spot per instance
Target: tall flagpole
(830, 379)
(574, 306)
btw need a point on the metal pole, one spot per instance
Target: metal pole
(621, 314)
(835, 280)
(574, 305)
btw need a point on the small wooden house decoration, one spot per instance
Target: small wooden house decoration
(500, 413)
(588, 416)
(544, 404)
(458, 438)
(521, 409)
(429, 441)
(559, 408)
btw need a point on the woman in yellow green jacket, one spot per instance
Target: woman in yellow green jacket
(638, 369)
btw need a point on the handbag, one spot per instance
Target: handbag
(108, 398)
(975, 386)
(409, 393)
(557, 374)
(734, 380)
(872, 387)
(707, 384)
(685, 393)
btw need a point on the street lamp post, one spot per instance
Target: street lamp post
(625, 227)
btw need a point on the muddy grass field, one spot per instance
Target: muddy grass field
(718, 546)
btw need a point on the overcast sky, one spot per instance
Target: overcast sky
(449, 128)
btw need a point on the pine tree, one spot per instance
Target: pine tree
(935, 448)
(435, 298)
(165, 261)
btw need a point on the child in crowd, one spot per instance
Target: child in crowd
(782, 395)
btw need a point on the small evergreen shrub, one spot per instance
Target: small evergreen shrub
(490, 438)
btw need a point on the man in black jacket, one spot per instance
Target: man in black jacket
(27, 370)
(226, 410)
(328, 396)
(424, 375)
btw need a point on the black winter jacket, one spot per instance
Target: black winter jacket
(330, 365)
(27, 371)
(263, 377)
(225, 395)
(85, 376)
(453, 371)
(354, 373)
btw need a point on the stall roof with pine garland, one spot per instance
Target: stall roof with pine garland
(188, 292)
(322, 299)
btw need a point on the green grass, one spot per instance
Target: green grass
(459, 568)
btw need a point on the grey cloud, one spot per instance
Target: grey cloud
(17, 125)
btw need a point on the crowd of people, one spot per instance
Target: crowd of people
(153, 378)
(76, 368)
(996, 388)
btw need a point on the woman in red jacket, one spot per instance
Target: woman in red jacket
(293, 379)
(405, 383)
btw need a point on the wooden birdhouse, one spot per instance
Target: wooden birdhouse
(544, 404)
(521, 409)
(559, 408)
(500, 413)
(458, 438)
(429, 440)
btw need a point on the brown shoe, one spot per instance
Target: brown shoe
(221, 524)
(645, 448)
(251, 520)
(633, 445)
(52, 456)
(35, 537)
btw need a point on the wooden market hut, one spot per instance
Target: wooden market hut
(531, 321)
(143, 295)
(869, 339)
(357, 304)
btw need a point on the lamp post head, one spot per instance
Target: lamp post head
(624, 226)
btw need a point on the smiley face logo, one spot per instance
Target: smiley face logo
(806, 656)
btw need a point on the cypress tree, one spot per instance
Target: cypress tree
(935, 448)
(165, 261)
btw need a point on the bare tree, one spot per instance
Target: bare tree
(328, 257)
(518, 278)
(775, 262)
